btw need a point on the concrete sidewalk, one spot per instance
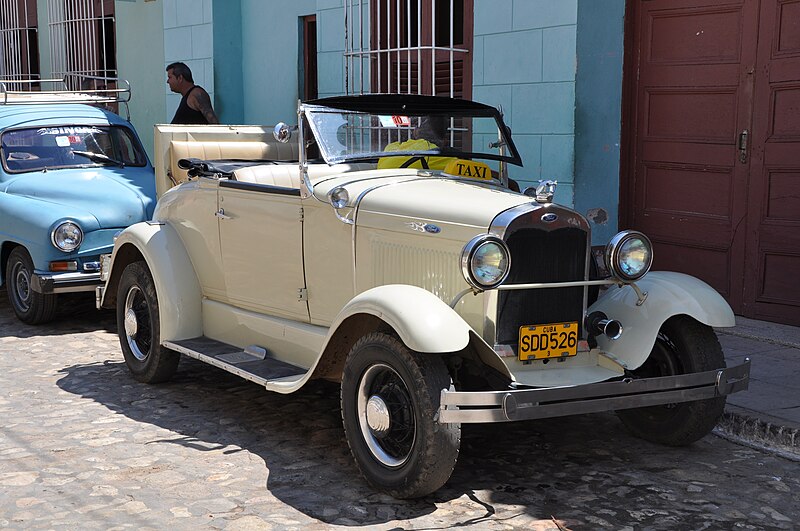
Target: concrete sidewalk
(768, 413)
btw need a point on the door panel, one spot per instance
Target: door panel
(692, 100)
(261, 239)
(773, 258)
(718, 204)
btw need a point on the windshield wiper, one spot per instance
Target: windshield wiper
(99, 157)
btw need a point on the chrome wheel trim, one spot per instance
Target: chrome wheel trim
(22, 286)
(384, 406)
(132, 325)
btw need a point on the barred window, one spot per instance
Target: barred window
(19, 50)
(409, 47)
(82, 38)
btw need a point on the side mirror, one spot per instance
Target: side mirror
(282, 132)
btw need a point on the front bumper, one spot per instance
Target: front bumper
(65, 282)
(525, 404)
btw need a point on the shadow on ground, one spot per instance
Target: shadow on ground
(75, 312)
(584, 471)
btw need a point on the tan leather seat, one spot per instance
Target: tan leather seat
(228, 150)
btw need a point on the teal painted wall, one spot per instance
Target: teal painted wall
(524, 60)
(598, 114)
(228, 79)
(140, 22)
(270, 31)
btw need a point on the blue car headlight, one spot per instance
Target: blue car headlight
(67, 236)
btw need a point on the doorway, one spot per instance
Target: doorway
(713, 129)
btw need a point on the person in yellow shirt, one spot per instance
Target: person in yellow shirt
(430, 135)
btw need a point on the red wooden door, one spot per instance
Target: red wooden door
(713, 174)
(773, 225)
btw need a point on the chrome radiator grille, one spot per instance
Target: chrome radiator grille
(542, 256)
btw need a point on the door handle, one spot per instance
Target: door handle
(742, 145)
(221, 214)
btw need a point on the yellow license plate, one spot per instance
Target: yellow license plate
(555, 340)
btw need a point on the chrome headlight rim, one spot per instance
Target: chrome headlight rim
(614, 248)
(468, 254)
(54, 236)
(339, 197)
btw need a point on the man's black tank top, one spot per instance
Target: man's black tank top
(187, 115)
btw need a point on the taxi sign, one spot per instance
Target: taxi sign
(468, 168)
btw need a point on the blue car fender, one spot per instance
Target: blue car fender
(668, 294)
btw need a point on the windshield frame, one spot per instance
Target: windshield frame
(139, 156)
(387, 105)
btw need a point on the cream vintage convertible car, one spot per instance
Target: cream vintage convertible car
(378, 244)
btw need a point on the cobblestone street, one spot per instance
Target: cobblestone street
(84, 446)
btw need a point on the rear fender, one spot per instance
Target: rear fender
(668, 294)
(179, 293)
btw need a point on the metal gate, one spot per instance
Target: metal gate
(408, 47)
(82, 38)
(18, 40)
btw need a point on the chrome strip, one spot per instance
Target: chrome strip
(573, 284)
(525, 404)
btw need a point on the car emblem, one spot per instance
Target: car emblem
(549, 217)
(424, 227)
(431, 228)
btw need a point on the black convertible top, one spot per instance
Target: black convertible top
(410, 104)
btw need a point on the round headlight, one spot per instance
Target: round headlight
(485, 261)
(339, 197)
(629, 255)
(67, 236)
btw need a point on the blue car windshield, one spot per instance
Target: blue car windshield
(72, 146)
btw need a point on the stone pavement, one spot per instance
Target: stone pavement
(84, 446)
(768, 413)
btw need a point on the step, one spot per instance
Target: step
(252, 363)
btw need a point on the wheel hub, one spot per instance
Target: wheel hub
(23, 287)
(378, 417)
(131, 325)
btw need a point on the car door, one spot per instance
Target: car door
(261, 240)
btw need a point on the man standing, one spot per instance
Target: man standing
(195, 106)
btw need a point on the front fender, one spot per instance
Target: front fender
(421, 319)
(668, 294)
(177, 287)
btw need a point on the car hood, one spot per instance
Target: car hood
(407, 194)
(114, 197)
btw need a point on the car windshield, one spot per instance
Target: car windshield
(352, 134)
(37, 149)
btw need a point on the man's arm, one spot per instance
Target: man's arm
(200, 101)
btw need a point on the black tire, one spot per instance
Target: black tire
(138, 327)
(401, 449)
(30, 306)
(683, 346)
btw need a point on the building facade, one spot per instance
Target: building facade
(677, 117)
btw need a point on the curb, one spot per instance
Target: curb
(756, 433)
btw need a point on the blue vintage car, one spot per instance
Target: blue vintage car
(72, 176)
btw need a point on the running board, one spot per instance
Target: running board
(251, 363)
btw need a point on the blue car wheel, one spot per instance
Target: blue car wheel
(30, 306)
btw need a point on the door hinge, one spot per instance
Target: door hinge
(302, 294)
(302, 214)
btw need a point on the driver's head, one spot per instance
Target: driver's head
(433, 129)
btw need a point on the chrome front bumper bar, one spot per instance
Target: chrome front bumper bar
(525, 404)
(64, 282)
